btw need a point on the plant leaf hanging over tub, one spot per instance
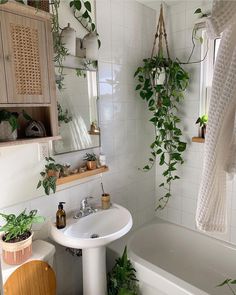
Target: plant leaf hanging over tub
(161, 83)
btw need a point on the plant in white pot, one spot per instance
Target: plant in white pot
(16, 241)
(8, 125)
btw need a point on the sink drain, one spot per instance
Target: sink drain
(94, 236)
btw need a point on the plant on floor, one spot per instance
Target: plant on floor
(50, 175)
(228, 282)
(122, 279)
(10, 117)
(18, 228)
(161, 84)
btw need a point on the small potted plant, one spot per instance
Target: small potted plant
(50, 175)
(91, 161)
(16, 241)
(202, 121)
(8, 125)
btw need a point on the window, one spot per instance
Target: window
(207, 67)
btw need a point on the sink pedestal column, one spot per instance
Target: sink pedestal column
(94, 271)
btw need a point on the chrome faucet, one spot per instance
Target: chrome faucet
(85, 208)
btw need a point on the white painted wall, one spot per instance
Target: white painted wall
(126, 30)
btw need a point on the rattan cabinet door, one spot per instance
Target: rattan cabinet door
(3, 90)
(25, 57)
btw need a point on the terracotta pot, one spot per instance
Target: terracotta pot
(91, 165)
(16, 253)
(53, 173)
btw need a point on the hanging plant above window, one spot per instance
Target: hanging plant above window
(161, 84)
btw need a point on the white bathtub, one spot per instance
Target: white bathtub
(172, 260)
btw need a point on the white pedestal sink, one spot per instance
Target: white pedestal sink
(92, 233)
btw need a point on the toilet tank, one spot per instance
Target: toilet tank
(42, 250)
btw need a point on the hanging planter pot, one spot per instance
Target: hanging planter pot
(160, 76)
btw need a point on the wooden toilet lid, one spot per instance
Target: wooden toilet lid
(32, 278)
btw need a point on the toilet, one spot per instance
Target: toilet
(35, 276)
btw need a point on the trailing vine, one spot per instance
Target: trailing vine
(161, 83)
(162, 101)
(82, 12)
(59, 49)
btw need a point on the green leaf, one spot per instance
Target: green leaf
(77, 4)
(139, 86)
(224, 283)
(39, 184)
(88, 6)
(198, 11)
(86, 14)
(162, 159)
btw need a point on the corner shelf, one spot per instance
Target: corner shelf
(198, 139)
(77, 176)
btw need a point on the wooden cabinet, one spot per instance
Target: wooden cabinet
(3, 89)
(27, 77)
(25, 58)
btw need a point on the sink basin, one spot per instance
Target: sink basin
(94, 230)
(92, 233)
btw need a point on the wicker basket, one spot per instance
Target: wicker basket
(16, 253)
(42, 4)
(6, 133)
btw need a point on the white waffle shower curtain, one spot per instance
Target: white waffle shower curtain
(220, 143)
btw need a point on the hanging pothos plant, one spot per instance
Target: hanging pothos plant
(161, 83)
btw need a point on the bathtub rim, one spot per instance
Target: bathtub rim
(172, 279)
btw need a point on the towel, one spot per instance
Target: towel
(220, 143)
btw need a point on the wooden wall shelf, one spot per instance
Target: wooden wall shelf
(198, 139)
(28, 140)
(77, 176)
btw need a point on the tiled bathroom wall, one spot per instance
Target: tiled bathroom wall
(126, 31)
(182, 207)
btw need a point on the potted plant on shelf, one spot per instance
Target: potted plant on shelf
(50, 175)
(8, 125)
(16, 241)
(202, 121)
(91, 161)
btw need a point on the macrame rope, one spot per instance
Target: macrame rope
(160, 33)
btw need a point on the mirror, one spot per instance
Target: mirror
(78, 111)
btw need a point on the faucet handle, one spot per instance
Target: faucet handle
(84, 202)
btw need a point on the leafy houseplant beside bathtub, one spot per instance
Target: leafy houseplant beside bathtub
(16, 242)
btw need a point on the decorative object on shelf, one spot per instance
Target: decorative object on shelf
(202, 121)
(16, 242)
(35, 129)
(163, 101)
(83, 169)
(39, 4)
(63, 115)
(102, 160)
(91, 161)
(50, 175)
(94, 129)
(65, 170)
(8, 125)
(90, 43)
(122, 278)
(68, 38)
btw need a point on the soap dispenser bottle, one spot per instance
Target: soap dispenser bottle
(61, 216)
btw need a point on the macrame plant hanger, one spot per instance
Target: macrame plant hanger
(160, 35)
